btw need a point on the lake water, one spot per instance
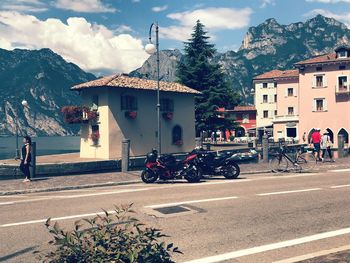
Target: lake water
(44, 145)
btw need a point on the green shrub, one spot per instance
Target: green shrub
(113, 237)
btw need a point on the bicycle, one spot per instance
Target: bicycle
(302, 161)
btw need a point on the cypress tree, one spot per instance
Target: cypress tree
(197, 70)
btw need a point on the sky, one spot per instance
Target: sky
(108, 36)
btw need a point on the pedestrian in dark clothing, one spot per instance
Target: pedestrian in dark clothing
(26, 158)
(326, 145)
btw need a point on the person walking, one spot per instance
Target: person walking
(26, 158)
(316, 141)
(326, 145)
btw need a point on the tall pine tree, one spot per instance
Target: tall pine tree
(198, 71)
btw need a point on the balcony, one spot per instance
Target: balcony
(342, 89)
(286, 118)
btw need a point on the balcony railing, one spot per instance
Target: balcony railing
(284, 118)
(341, 89)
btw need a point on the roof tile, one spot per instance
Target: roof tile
(124, 81)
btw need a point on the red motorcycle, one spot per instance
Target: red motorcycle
(166, 167)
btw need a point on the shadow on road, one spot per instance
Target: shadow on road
(17, 253)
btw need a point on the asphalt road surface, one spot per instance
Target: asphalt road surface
(259, 218)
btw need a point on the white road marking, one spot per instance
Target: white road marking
(340, 186)
(57, 197)
(339, 171)
(268, 247)
(313, 255)
(54, 219)
(290, 192)
(7, 203)
(192, 202)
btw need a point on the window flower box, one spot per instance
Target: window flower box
(79, 114)
(131, 114)
(95, 137)
(168, 115)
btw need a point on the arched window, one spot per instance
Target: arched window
(331, 135)
(177, 135)
(345, 134)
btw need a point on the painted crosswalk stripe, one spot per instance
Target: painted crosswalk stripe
(290, 192)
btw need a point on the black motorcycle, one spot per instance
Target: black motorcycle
(166, 167)
(211, 163)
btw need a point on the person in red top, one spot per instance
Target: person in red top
(316, 141)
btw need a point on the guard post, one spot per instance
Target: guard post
(265, 150)
(33, 162)
(125, 155)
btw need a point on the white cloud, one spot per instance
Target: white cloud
(345, 17)
(123, 29)
(85, 6)
(159, 8)
(91, 46)
(265, 3)
(329, 1)
(214, 19)
(25, 6)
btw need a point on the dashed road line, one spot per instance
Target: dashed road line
(290, 192)
(269, 247)
(54, 219)
(340, 186)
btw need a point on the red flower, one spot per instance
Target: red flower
(168, 115)
(131, 114)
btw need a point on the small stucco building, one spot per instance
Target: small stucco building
(126, 109)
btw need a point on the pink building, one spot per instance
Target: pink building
(324, 97)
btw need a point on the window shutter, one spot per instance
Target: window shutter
(325, 105)
(313, 81)
(286, 111)
(286, 92)
(270, 85)
(295, 111)
(294, 92)
(314, 105)
(324, 81)
(271, 114)
(258, 85)
(271, 99)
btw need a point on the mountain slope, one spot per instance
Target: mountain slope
(269, 46)
(43, 78)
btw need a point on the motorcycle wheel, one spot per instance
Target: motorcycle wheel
(193, 175)
(231, 171)
(148, 176)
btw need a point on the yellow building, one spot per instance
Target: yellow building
(126, 108)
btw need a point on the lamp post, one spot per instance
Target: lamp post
(150, 48)
(24, 104)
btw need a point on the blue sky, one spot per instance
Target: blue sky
(109, 35)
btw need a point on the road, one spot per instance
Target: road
(259, 218)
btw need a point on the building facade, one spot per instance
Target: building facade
(324, 93)
(127, 110)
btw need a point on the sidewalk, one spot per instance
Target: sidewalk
(79, 181)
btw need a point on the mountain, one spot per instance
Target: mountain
(43, 79)
(265, 47)
(167, 66)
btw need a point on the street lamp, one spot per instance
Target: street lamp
(24, 104)
(150, 48)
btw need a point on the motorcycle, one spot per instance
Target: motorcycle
(212, 164)
(166, 167)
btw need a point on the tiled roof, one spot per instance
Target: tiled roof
(331, 57)
(124, 81)
(275, 74)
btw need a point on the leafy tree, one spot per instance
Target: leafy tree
(197, 70)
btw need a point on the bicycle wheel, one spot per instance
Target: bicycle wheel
(306, 161)
(279, 164)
